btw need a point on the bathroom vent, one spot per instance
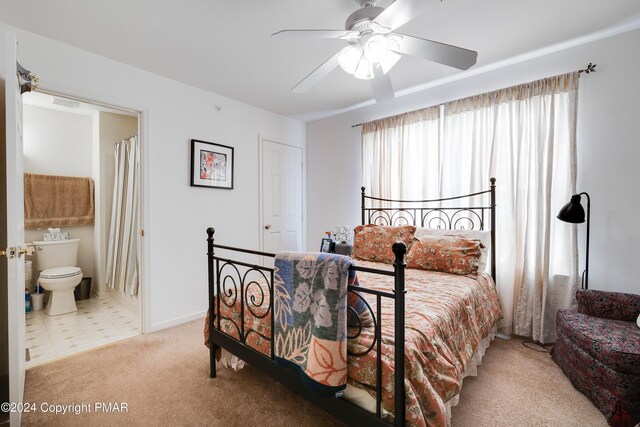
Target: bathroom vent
(65, 102)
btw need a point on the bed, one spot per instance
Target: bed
(444, 321)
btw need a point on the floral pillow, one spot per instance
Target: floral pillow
(374, 242)
(483, 236)
(447, 254)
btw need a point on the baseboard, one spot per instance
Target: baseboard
(99, 295)
(178, 321)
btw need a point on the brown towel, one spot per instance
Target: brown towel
(57, 201)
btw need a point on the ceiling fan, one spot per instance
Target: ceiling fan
(374, 47)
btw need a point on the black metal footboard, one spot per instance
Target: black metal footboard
(231, 280)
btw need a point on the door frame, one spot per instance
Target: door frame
(54, 89)
(303, 189)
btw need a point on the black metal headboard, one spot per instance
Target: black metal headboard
(436, 213)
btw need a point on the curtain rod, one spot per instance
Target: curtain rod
(591, 68)
(126, 139)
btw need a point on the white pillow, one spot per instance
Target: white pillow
(483, 236)
(638, 321)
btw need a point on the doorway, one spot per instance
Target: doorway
(73, 140)
(282, 196)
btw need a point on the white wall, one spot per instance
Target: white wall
(608, 150)
(176, 215)
(60, 143)
(57, 142)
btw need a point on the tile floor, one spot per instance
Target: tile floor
(97, 322)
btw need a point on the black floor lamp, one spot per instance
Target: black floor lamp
(573, 212)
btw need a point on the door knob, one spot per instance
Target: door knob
(28, 249)
(267, 226)
(15, 252)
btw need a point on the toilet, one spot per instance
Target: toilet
(59, 273)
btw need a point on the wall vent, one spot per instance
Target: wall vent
(65, 102)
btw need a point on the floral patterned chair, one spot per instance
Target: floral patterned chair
(598, 348)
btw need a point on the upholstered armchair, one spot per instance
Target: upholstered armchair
(598, 348)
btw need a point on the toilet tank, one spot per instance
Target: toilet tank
(58, 253)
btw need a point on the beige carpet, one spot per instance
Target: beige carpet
(517, 386)
(163, 378)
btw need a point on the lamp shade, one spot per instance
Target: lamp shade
(573, 211)
(359, 58)
(349, 58)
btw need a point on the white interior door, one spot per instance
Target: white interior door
(15, 227)
(282, 197)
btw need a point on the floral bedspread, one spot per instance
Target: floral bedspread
(446, 315)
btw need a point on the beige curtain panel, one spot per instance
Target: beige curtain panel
(57, 201)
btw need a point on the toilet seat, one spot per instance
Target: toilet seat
(60, 272)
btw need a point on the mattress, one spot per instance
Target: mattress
(447, 317)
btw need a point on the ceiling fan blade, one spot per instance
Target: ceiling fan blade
(381, 85)
(322, 34)
(317, 74)
(442, 53)
(400, 12)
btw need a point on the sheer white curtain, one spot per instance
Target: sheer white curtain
(122, 255)
(525, 137)
(395, 148)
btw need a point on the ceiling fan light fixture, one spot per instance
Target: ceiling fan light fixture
(349, 58)
(376, 48)
(364, 71)
(379, 29)
(353, 61)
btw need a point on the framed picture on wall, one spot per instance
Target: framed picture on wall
(211, 165)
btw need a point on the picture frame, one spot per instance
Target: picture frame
(325, 246)
(212, 165)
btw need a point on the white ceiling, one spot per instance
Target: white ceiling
(224, 46)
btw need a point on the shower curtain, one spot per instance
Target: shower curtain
(122, 255)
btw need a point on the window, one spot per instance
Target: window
(525, 137)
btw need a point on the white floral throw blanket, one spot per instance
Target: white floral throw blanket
(310, 307)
